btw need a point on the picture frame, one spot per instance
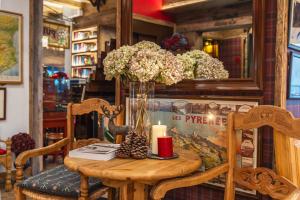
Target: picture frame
(2, 103)
(293, 78)
(11, 59)
(294, 25)
(57, 35)
(201, 109)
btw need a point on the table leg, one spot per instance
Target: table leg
(84, 187)
(139, 191)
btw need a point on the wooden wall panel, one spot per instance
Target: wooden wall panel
(287, 155)
(36, 79)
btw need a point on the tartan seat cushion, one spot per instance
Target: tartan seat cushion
(58, 181)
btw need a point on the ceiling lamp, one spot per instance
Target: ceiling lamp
(98, 3)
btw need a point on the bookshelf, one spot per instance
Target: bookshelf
(84, 52)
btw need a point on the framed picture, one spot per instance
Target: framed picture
(56, 35)
(2, 103)
(294, 24)
(11, 39)
(294, 74)
(200, 125)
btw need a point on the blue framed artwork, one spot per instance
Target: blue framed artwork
(294, 77)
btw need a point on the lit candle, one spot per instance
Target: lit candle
(165, 146)
(157, 131)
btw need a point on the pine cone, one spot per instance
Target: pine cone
(124, 150)
(139, 147)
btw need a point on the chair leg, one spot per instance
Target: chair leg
(8, 185)
(18, 194)
(229, 188)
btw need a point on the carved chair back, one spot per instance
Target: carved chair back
(262, 180)
(77, 109)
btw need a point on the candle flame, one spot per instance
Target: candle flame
(211, 116)
(159, 122)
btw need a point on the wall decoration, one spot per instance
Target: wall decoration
(294, 74)
(2, 103)
(58, 35)
(11, 40)
(200, 125)
(294, 24)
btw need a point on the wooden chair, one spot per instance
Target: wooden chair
(5, 160)
(263, 180)
(51, 189)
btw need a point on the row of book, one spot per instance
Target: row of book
(83, 47)
(79, 60)
(81, 72)
(81, 35)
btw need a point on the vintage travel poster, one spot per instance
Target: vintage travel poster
(199, 125)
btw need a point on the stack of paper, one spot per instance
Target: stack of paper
(96, 151)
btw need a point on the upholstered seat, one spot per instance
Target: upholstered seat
(58, 181)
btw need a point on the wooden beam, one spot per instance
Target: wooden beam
(106, 18)
(68, 3)
(152, 20)
(91, 17)
(236, 22)
(36, 79)
(171, 4)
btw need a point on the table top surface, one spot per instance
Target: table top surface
(136, 170)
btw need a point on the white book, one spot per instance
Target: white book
(97, 151)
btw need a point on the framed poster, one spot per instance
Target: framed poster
(294, 24)
(200, 125)
(294, 74)
(56, 35)
(2, 103)
(11, 40)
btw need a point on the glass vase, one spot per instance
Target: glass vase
(141, 96)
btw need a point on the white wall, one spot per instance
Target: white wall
(17, 107)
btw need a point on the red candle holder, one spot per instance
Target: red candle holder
(165, 146)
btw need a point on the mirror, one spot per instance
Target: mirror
(222, 29)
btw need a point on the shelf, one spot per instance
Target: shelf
(84, 40)
(84, 52)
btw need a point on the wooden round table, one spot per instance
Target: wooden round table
(135, 174)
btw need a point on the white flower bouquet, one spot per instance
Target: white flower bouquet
(205, 66)
(146, 61)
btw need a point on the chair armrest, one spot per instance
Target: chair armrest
(24, 156)
(159, 190)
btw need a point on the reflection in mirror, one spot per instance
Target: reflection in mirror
(222, 29)
(104, 21)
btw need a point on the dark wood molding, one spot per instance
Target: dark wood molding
(36, 78)
(259, 39)
(126, 22)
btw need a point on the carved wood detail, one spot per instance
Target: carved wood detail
(278, 118)
(264, 181)
(90, 105)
